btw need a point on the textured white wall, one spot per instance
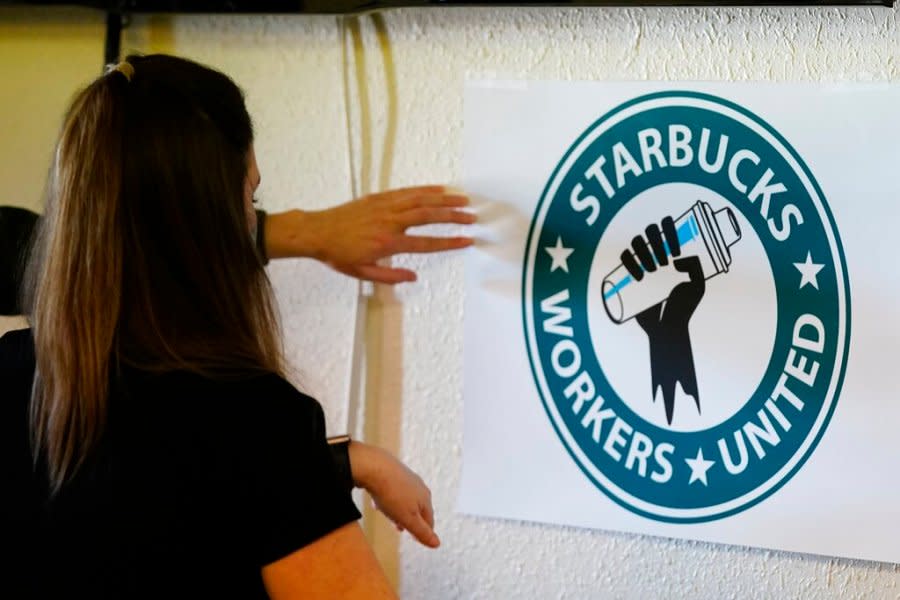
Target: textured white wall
(433, 52)
(405, 80)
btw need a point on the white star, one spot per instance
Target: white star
(699, 466)
(560, 255)
(809, 271)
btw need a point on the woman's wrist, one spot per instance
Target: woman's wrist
(294, 234)
(363, 463)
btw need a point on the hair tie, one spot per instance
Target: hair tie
(125, 68)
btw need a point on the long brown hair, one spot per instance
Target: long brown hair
(144, 257)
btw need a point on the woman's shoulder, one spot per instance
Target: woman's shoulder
(260, 397)
(273, 393)
(272, 387)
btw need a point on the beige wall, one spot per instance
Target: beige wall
(46, 54)
(44, 57)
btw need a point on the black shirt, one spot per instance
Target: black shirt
(196, 485)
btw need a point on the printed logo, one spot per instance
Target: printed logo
(686, 306)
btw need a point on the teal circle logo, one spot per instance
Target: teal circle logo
(686, 306)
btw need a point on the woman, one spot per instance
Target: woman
(150, 440)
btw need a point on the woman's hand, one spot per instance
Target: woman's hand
(396, 491)
(352, 237)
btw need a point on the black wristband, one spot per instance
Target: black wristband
(261, 236)
(340, 453)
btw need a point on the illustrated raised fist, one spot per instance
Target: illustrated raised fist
(666, 323)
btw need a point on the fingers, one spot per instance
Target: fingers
(421, 244)
(422, 531)
(671, 235)
(642, 251)
(410, 198)
(654, 237)
(412, 191)
(690, 265)
(380, 274)
(428, 215)
(630, 263)
(454, 199)
(371, 228)
(428, 512)
(652, 250)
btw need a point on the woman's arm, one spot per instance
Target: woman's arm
(353, 236)
(338, 565)
(395, 489)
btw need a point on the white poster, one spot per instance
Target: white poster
(682, 315)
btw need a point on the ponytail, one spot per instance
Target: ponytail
(144, 259)
(75, 275)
